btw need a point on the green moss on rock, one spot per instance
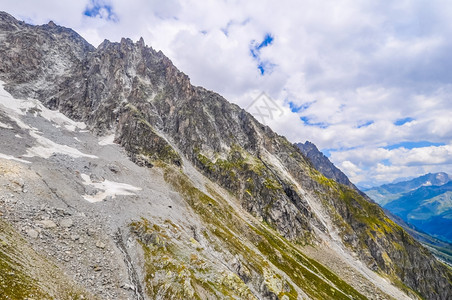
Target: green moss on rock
(144, 145)
(263, 250)
(24, 274)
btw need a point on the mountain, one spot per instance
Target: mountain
(425, 202)
(388, 192)
(441, 248)
(323, 164)
(134, 184)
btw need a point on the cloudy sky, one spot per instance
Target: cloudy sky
(369, 82)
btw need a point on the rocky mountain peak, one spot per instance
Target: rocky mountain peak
(8, 22)
(6, 18)
(141, 43)
(443, 177)
(323, 164)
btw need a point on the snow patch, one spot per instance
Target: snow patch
(107, 140)
(108, 189)
(21, 107)
(5, 126)
(45, 147)
(9, 157)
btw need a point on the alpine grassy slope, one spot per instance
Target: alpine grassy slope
(323, 164)
(216, 205)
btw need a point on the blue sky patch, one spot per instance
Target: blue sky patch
(254, 53)
(308, 122)
(365, 124)
(98, 9)
(297, 108)
(386, 162)
(262, 65)
(411, 145)
(268, 40)
(327, 152)
(225, 29)
(265, 66)
(400, 122)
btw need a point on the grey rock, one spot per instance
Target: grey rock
(32, 233)
(100, 245)
(47, 224)
(323, 164)
(61, 212)
(114, 168)
(96, 178)
(127, 286)
(75, 237)
(66, 223)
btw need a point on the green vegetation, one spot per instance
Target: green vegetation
(247, 178)
(25, 274)
(178, 268)
(238, 162)
(279, 263)
(14, 282)
(365, 228)
(315, 279)
(149, 147)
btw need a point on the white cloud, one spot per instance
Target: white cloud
(383, 165)
(360, 66)
(423, 156)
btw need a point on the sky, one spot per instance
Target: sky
(369, 82)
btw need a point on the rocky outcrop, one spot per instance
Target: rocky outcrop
(157, 115)
(323, 164)
(21, 279)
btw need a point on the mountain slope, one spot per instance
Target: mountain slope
(19, 277)
(128, 232)
(441, 249)
(241, 188)
(323, 164)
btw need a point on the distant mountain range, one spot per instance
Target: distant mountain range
(425, 202)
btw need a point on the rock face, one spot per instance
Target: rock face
(323, 164)
(209, 150)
